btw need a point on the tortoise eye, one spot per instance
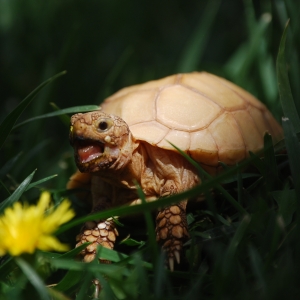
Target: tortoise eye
(105, 124)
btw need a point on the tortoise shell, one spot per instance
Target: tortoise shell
(204, 115)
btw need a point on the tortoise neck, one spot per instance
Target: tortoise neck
(126, 153)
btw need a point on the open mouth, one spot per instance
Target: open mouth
(89, 150)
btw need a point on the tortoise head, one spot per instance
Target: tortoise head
(100, 141)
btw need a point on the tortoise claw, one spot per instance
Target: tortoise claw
(177, 256)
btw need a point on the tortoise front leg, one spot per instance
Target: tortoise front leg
(98, 232)
(172, 231)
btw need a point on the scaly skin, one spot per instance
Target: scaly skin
(172, 231)
(101, 233)
(105, 148)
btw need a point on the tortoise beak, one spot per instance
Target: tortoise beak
(86, 150)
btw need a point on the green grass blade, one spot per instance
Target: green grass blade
(69, 280)
(194, 288)
(240, 187)
(232, 201)
(159, 276)
(258, 163)
(150, 226)
(142, 277)
(293, 150)
(239, 64)
(15, 196)
(285, 93)
(70, 254)
(7, 267)
(256, 265)
(217, 232)
(132, 242)
(65, 119)
(111, 255)
(86, 282)
(70, 264)
(281, 11)
(271, 174)
(274, 239)
(34, 184)
(113, 74)
(8, 123)
(235, 178)
(33, 278)
(219, 217)
(195, 48)
(8, 165)
(5, 188)
(287, 204)
(30, 157)
(56, 295)
(290, 122)
(150, 206)
(232, 248)
(70, 110)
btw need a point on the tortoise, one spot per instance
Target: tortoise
(128, 141)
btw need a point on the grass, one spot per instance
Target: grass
(244, 238)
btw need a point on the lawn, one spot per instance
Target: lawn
(62, 57)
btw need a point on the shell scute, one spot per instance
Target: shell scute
(204, 115)
(225, 97)
(228, 138)
(181, 108)
(143, 104)
(259, 119)
(179, 138)
(252, 138)
(203, 147)
(243, 94)
(273, 126)
(151, 132)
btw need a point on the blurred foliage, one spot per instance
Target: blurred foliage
(106, 45)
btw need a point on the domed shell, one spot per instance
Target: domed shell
(204, 115)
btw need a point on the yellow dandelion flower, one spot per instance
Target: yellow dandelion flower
(23, 229)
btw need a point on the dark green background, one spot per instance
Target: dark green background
(106, 45)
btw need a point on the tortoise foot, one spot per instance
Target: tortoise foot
(101, 233)
(172, 232)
